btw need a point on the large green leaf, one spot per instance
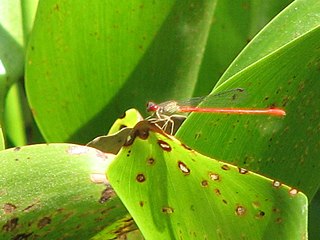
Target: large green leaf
(295, 21)
(88, 61)
(234, 24)
(174, 192)
(52, 192)
(286, 149)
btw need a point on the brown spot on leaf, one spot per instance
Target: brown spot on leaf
(275, 210)
(8, 208)
(214, 176)
(22, 236)
(107, 194)
(167, 210)
(204, 183)
(141, 203)
(224, 201)
(10, 225)
(243, 171)
(164, 145)
(240, 210)
(260, 214)
(186, 147)
(126, 225)
(293, 191)
(225, 167)
(140, 178)
(183, 167)
(141, 130)
(217, 191)
(151, 161)
(279, 220)
(16, 149)
(44, 222)
(276, 184)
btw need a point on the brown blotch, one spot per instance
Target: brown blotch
(10, 225)
(167, 210)
(151, 161)
(224, 201)
(107, 194)
(8, 208)
(214, 176)
(141, 130)
(183, 167)
(260, 215)
(225, 167)
(243, 171)
(16, 149)
(279, 220)
(204, 183)
(141, 203)
(164, 145)
(22, 236)
(32, 206)
(240, 210)
(140, 178)
(276, 210)
(186, 147)
(44, 222)
(217, 191)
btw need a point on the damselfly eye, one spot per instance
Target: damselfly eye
(152, 107)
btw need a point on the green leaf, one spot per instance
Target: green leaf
(93, 59)
(14, 121)
(235, 23)
(174, 192)
(129, 119)
(2, 142)
(52, 192)
(295, 21)
(283, 149)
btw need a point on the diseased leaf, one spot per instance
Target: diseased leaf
(173, 192)
(280, 148)
(57, 191)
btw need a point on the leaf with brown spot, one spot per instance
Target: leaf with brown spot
(209, 197)
(49, 193)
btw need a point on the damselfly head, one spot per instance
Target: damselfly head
(152, 107)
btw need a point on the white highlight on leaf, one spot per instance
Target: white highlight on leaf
(74, 150)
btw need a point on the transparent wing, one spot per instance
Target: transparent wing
(222, 99)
